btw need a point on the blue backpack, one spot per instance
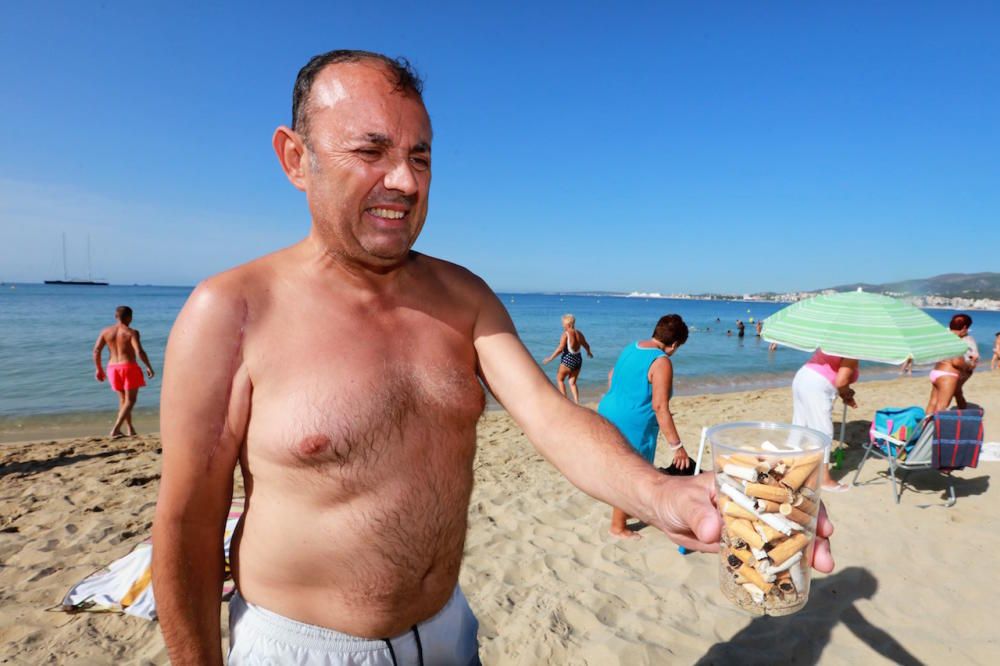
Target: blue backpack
(898, 422)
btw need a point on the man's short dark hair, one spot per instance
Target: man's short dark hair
(960, 321)
(123, 312)
(670, 329)
(398, 70)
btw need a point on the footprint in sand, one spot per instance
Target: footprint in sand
(47, 571)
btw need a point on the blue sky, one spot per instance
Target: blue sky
(658, 147)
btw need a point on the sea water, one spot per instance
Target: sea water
(47, 334)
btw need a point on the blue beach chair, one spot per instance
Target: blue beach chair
(946, 441)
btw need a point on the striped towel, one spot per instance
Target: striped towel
(958, 438)
(125, 585)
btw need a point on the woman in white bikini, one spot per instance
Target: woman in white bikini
(570, 344)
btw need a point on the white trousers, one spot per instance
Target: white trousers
(812, 402)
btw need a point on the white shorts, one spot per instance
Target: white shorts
(261, 637)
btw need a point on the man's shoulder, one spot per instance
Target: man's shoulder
(450, 274)
(238, 285)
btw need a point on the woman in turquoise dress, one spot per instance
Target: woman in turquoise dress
(638, 399)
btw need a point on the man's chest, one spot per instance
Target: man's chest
(337, 396)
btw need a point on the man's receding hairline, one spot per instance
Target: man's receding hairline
(364, 61)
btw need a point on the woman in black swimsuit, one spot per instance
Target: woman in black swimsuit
(571, 359)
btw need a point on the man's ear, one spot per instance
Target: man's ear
(291, 152)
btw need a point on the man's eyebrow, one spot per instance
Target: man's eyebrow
(378, 139)
(422, 147)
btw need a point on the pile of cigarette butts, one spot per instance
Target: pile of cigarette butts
(769, 503)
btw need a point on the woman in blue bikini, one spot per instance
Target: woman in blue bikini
(571, 359)
(638, 399)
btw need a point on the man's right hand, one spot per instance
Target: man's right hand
(688, 515)
(99, 375)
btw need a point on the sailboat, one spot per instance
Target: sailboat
(90, 281)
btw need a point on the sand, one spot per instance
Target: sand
(914, 582)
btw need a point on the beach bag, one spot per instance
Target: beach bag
(898, 422)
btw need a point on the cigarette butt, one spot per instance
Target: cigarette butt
(769, 534)
(773, 493)
(798, 578)
(741, 554)
(784, 582)
(744, 530)
(804, 504)
(740, 471)
(744, 459)
(790, 512)
(788, 547)
(786, 565)
(753, 576)
(734, 510)
(796, 476)
(767, 506)
(812, 481)
(780, 523)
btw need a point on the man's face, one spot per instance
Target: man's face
(368, 164)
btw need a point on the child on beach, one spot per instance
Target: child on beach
(638, 400)
(124, 374)
(995, 362)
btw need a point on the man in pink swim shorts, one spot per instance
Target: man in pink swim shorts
(124, 374)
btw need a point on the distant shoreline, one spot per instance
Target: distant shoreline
(925, 302)
(931, 302)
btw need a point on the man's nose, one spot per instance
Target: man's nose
(401, 178)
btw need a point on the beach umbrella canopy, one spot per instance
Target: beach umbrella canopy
(869, 327)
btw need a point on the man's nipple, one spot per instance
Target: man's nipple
(313, 445)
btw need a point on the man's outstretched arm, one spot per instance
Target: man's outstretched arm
(203, 418)
(590, 451)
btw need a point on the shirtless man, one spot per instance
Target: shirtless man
(949, 376)
(343, 375)
(124, 374)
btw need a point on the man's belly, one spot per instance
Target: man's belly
(372, 567)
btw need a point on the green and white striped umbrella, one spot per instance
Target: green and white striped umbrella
(869, 327)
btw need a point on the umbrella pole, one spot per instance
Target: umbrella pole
(843, 425)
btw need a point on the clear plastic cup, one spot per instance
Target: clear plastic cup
(768, 478)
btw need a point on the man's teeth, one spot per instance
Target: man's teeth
(388, 214)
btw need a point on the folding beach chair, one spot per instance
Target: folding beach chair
(946, 441)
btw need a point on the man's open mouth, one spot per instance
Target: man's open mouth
(386, 213)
